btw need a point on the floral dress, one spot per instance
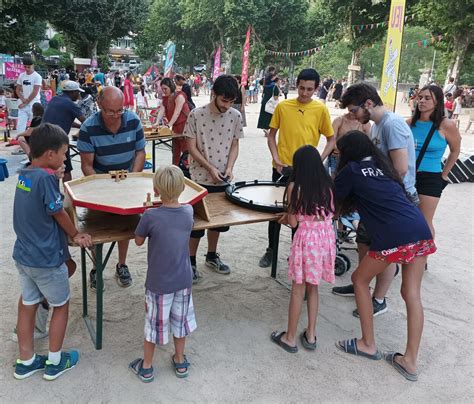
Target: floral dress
(313, 251)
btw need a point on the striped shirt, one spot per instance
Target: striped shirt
(112, 151)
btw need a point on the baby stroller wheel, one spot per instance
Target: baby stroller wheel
(347, 260)
(340, 266)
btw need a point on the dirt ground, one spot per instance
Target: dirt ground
(232, 357)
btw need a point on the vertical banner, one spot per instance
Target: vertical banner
(170, 51)
(393, 49)
(245, 59)
(217, 64)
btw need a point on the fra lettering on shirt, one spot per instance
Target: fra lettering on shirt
(370, 172)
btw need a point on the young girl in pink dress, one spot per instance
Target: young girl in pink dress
(310, 209)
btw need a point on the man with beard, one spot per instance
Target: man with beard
(213, 133)
(393, 137)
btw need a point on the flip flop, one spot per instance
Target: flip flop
(390, 359)
(350, 346)
(184, 365)
(145, 375)
(308, 345)
(276, 338)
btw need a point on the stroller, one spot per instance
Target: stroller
(345, 232)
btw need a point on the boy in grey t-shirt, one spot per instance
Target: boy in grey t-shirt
(168, 297)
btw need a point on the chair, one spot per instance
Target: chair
(11, 116)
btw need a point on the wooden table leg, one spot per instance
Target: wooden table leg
(153, 155)
(276, 242)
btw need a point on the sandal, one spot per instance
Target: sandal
(390, 359)
(308, 345)
(184, 365)
(350, 346)
(276, 338)
(145, 375)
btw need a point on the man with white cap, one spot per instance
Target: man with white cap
(27, 89)
(62, 110)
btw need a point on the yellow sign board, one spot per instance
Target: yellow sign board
(393, 50)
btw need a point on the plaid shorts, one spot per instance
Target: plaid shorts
(164, 309)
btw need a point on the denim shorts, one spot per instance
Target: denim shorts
(40, 283)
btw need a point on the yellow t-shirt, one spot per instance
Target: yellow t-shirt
(299, 125)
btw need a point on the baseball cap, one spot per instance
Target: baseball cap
(70, 85)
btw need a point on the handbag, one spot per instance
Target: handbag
(271, 103)
(425, 146)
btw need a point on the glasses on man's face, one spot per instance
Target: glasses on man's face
(113, 113)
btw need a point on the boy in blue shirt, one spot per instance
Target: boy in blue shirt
(41, 225)
(168, 298)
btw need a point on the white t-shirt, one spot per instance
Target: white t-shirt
(2, 100)
(28, 83)
(141, 99)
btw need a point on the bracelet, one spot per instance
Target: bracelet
(75, 234)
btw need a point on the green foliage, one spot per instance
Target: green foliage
(467, 71)
(103, 62)
(19, 31)
(57, 41)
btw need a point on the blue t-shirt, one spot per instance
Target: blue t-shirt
(100, 77)
(40, 240)
(434, 153)
(392, 133)
(168, 231)
(112, 151)
(62, 111)
(390, 219)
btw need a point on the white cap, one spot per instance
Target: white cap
(70, 85)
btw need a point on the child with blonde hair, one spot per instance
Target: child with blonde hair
(168, 298)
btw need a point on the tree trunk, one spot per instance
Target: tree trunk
(92, 49)
(352, 75)
(461, 43)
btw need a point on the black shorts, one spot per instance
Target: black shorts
(67, 162)
(362, 236)
(212, 190)
(430, 184)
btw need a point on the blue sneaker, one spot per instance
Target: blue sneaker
(22, 371)
(67, 362)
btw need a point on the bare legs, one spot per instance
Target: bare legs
(212, 240)
(149, 349)
(361, 278)
(412, 276)
(26, 323)
(294, 311)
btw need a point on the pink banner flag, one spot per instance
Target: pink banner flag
(217, 64)
(13, 70)
(245, 59)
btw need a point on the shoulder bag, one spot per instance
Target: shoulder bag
(425, 146)
(271, 103)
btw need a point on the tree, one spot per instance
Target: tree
(85, 23)
(19, 31)
(454, 20)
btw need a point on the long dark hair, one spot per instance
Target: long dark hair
(438, 114)
(312, 190)
(356, 146)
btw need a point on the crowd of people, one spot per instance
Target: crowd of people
(389, 172)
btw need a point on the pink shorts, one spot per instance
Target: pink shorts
(168, 312)
(405, 254)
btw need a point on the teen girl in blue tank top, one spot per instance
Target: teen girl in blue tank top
(431, 177)
(366, 180)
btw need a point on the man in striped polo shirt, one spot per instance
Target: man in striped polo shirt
(112, 139)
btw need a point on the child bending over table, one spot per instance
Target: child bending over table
(168, 297)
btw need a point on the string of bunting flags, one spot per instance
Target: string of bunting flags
(365, 27)
(423, 43)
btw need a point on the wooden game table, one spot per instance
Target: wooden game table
(157, 138)
(110, 228)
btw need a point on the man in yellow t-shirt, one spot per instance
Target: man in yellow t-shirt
(299, 122)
